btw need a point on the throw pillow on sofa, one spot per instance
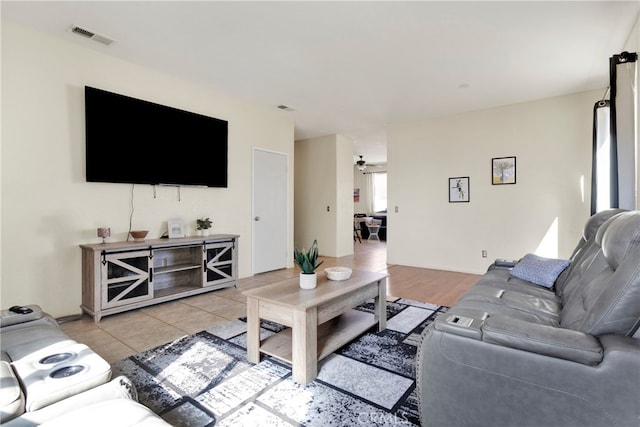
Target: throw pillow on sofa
(539, 270)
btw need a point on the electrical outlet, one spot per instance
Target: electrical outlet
(328, 209)
(396, 209)
(484, 253)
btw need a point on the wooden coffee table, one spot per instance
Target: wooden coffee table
(319, 320)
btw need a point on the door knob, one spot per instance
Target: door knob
(256, 218)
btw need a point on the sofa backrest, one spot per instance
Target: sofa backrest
(586, 247)
(609, 303)
(587, 265)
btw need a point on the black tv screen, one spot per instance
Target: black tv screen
(133, 141)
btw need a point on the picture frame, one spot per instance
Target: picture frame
(503, 170)
(176, 228)
(459, 189)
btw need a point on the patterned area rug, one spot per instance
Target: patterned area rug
(205, 379)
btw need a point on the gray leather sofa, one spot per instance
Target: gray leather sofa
(48, 379)
(514, 353)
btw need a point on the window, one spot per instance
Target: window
(615, 138)
(379, 191)
(602, 159)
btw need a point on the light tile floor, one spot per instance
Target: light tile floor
(118, 336)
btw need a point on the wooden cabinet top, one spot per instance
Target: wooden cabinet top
(158, 243)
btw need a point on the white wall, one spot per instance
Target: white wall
(360, 182)
(47, 207)
(324, 195)
(344, 196)
(543, 212)
(315, 176)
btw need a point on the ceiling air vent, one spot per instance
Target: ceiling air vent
(91, 35)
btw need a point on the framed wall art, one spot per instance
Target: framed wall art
(176, 228)
(459, 189)
(503, 170)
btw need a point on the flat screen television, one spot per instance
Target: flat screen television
(129, 140)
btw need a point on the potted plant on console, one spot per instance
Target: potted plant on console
(308, 262)
(203, 225)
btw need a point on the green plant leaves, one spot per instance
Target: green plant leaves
(307, 261)
(203, 223)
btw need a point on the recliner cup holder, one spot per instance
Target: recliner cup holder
(56, 358)
(66, 371)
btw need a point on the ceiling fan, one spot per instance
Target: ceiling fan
(361, 164)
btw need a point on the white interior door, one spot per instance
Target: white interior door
(270, 219)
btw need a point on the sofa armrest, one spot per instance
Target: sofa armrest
(8, 317)
(463, 322)
(503, 264)
(547, 340)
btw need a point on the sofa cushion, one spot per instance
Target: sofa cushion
(46, 344)
(35, 336)
(115, 412)
(539, 270)
(120, 388)
(502, 279)
(542, 339)
(45, 320)
(11, 397)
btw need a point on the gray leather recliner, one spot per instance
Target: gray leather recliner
(33, 350)
(513, 353)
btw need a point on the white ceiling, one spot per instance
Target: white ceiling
(355, 67)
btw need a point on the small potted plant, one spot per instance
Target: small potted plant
(308, 262)
(203, 225)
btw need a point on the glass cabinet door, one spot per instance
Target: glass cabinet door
(219, 265)
(126, 278)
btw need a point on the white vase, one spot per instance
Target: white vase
(203, 233)
(308, 281)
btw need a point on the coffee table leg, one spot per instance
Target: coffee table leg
(380, 307)
(253, 331)
(304, 337)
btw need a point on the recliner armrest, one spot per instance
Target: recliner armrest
(503, 264)
(8, 318)
(467, 323)
(542, 339)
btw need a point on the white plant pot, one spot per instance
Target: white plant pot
(203, 233)
(308, 281)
